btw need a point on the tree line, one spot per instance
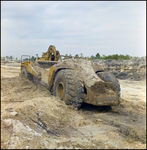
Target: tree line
(10, 58)
(115, 56)
(97, 56)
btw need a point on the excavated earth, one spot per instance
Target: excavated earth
(133, 69)
(32, 118)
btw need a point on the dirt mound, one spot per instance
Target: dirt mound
(102, 87)
(15, 87)
(21, 119)
(31, 118)
(131, 75)
(84, 69)
(133, 69)
(51, 109)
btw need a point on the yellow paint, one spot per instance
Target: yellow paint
(31, 70)
(51, 74)
(51, 51)
(23, 65)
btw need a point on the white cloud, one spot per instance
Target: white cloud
(74, 27)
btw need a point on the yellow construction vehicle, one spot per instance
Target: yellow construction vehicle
(65, 79)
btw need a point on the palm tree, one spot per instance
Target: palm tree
(70, 56)
(66, 56)
(7, 57)
(11, 58)
(76, 56)
(81, 55)
(97, 56)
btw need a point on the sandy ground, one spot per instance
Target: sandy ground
(63, 127)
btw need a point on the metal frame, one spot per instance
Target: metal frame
(25, 55)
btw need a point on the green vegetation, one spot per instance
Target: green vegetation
(70, 56)
(115, 56)
(11, 58)
(66, 56)
(97, 56)
(7, 57)
(77, 55)
(3, 58)
(81, 55)
(32, 58)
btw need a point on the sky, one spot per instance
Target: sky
(73, 27)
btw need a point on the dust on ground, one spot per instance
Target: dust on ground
(60, 126)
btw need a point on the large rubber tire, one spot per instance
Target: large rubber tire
(35, 80)
(26, 74)
(69, 87)
(111, 79)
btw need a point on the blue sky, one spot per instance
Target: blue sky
(73, 27)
